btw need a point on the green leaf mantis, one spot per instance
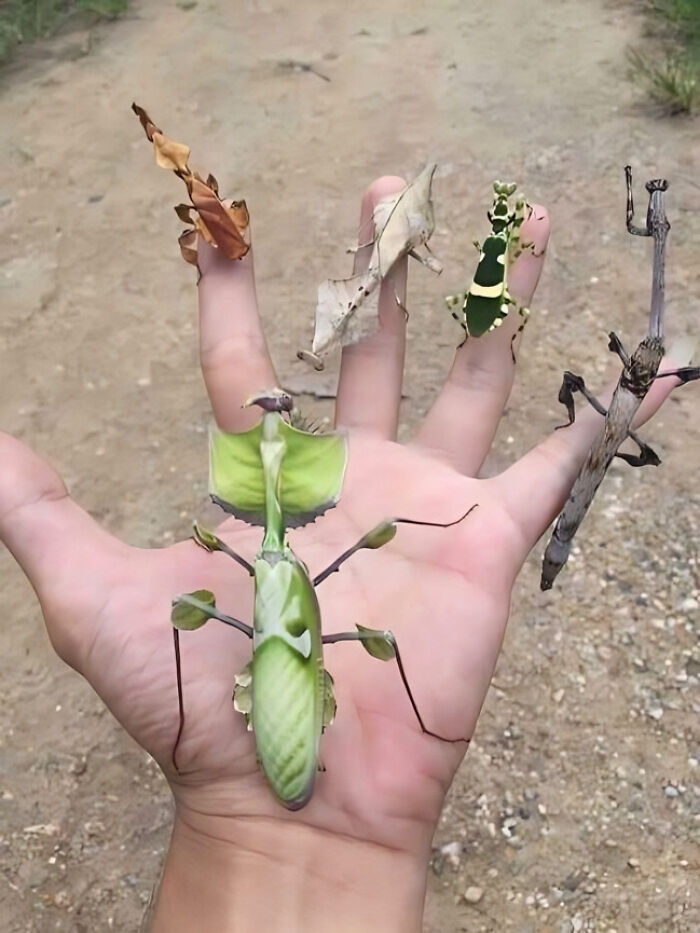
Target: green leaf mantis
(487, 301)
(279, 476)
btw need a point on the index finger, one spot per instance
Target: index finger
(233, 352)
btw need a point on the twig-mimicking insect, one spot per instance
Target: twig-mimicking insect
(639, 371)
(487, 302)
(278, 476)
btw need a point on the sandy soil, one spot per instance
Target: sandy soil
(576, 808)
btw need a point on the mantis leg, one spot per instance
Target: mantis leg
(524, 318)
(615, 346)
(400, 305)
(212, 613)
(685, 374)
(208, 541)
(573, 383)
(631, 226)
(383, 645)
(381, 534)
(457, 301)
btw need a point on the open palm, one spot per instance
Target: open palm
(445, 593)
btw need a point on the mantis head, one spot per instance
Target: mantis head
(271, 400)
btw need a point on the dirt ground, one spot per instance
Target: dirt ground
(577, 806)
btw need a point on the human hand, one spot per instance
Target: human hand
(445, 593)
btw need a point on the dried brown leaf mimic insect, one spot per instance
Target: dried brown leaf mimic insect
(219, 224)
(346, 309)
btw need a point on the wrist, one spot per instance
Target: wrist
(267, 874)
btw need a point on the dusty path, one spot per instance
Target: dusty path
(574, 808)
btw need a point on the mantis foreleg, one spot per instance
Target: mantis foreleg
(383, 645)
(573, 383)
(381, 534)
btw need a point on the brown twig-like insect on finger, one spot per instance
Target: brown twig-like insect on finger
(638, 372)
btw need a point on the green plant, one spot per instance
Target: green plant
(682, 19)
(674, 82)
(23, 21)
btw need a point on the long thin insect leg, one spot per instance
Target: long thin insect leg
(573, 383)
(365, 541)
(210, 542)
(414, 521)
(631, 227)
(401, 305)
(356, 249)
(615, 346)
(390, 640)
(524, 318)
(180, 701)
(213, 614)
(685, 374)
(417, 256)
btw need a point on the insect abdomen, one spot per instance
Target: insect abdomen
(286, 719)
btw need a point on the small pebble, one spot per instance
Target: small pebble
(473, 895)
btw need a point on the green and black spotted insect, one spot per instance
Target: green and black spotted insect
(487, 302)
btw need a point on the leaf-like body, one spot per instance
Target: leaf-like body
(218, 223)
(286, 718)
(289, 688)
(346, 309)
(311, 475)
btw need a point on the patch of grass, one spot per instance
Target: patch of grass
(674, 79)
(674, 82)
(22, 21)
(682, 19)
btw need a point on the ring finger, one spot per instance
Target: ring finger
(461, 425)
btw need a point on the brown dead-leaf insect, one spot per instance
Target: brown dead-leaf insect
(220, 224)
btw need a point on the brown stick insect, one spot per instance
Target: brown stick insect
(639, 370)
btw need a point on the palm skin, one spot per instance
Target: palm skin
(443, 592)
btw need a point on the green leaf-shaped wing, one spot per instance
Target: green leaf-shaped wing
(311, 475)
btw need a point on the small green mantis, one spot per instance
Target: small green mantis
(280, 476)
(487, 302)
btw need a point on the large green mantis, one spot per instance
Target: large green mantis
(487, 301)
(280, 476)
